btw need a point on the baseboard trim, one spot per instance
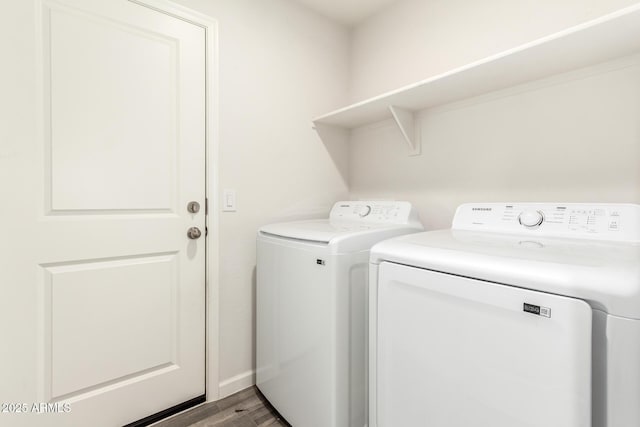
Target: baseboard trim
(237, 383)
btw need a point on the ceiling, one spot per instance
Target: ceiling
(349, 12)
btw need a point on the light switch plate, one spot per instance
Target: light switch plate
(228, 200)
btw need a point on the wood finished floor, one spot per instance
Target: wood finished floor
(247, 408)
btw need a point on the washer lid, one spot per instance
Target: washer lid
(323, 231)
(604, 273)
(350, 218)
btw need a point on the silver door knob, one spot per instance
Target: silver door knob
(193, 207)
(194, 233)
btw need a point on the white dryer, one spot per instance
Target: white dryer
(521, 315)
(312, 310)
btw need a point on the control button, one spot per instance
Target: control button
(531, 219)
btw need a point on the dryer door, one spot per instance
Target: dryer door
(459, 352)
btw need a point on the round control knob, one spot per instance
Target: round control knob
(365, 211)
(531, 219)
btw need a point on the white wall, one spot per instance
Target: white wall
(280, 65)
(570, 138)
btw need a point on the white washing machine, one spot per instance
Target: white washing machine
(312, 310)
(521, 315)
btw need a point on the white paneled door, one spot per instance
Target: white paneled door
(103, 291)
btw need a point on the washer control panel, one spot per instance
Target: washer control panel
(378, 212)
(619, 222)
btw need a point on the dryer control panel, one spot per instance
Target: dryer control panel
(375, 212)
(619, 222)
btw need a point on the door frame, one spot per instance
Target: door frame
(212, 239)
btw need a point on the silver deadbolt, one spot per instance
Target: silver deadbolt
(194, 233)
(193, 207)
